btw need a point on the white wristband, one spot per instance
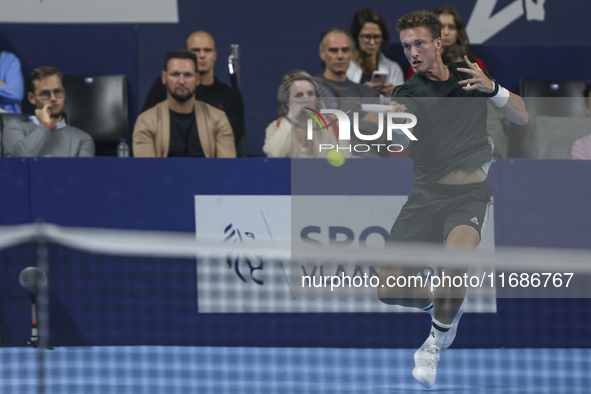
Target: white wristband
(501, 98)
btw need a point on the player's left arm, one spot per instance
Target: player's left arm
(510, 104)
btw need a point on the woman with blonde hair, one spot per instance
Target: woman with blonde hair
(287, 135)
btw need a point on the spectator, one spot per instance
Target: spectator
(287, 136)
(336, 52)
(210, 90)
(11, 83)
(369, 33)
(182, 126)
(581, 149)
(47, 134)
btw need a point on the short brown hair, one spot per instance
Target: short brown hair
(179, 54)
(41, 73)
(420, 18)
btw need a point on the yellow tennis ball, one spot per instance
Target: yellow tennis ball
(335, 158)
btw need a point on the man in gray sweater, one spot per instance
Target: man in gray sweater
(46, 134)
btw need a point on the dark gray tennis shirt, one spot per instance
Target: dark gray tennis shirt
(451, 125)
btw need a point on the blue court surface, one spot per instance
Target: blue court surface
(155, 369)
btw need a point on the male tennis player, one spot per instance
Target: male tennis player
(450, 195)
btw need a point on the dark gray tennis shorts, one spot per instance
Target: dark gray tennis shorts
(432, 211)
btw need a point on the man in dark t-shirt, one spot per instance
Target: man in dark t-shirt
(451, 156)
(452, 130)
(210, 89)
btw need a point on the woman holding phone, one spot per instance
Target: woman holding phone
(369, 33)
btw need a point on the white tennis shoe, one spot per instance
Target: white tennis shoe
(426, 359)
(449, 337)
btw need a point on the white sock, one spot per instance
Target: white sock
(438, 331)
(429, 309)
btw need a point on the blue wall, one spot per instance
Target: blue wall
(276, 37)
(537, 203)
(14, 191)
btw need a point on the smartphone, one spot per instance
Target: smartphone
(379, 77)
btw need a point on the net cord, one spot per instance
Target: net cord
(185, 245)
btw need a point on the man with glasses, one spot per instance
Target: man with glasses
(47, 134)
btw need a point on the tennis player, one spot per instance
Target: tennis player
(451, 158)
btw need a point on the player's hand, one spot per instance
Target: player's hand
(2, 83)
(43, 114)
(479, 80)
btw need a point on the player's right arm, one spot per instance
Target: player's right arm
(515, 110)
(510, 104)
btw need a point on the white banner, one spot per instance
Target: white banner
(89, 11)
(248, 284)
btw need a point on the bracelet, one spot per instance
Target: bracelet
(48, 125)
(495, 89)
(500, 96)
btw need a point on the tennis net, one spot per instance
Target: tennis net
(130, 311)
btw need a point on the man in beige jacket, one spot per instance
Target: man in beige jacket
(182, 126)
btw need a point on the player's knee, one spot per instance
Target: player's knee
(463, 237)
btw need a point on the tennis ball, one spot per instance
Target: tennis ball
(335, 158)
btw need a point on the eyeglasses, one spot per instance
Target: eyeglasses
(46, 94)
(369, 37)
